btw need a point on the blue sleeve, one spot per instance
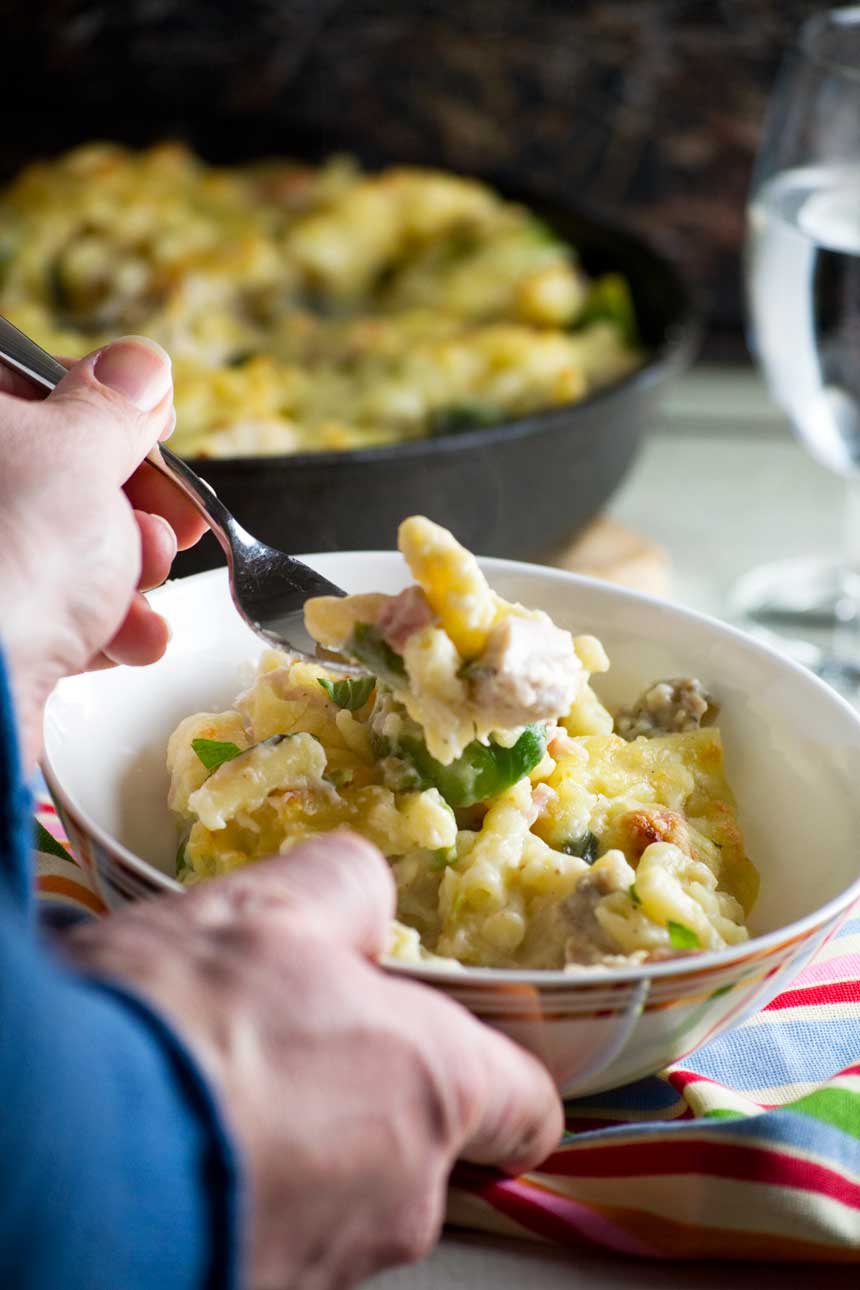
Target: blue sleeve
(115, 1170)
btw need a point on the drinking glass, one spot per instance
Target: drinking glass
(802, 274)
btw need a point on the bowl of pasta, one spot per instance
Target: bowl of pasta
(615, 827)
(352, 346)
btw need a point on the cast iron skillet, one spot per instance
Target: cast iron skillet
(519, 489)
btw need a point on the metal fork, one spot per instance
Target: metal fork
(269, 588)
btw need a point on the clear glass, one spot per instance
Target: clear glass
(802, 274)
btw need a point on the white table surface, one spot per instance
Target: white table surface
(721, 484)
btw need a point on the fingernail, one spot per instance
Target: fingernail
(136, 367)
(169, 530)
(170, 427)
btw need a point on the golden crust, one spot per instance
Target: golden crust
(305, 308)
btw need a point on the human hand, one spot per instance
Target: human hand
(84, 527)
(350, 1092)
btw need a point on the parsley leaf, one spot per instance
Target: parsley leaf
(634, 895)
(681, 937)
(214, 752)
(457, 417)
(584, 847)
(443, 857)
(339, 777)
(351, 694)
(609, 300)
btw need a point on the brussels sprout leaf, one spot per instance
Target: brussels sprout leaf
(481, 771)
(351, 694)
(366, 645)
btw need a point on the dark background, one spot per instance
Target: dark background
(648, 110)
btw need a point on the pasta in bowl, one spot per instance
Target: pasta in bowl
(791, 745)
(525, 825)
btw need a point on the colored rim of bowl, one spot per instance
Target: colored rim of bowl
(705, 963)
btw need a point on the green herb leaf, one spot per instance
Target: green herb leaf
(214, 752)
(366, 645)
(481, 771)
(457, 417)
(340, 777)
(241, 357)
(56, 283)
(634, 895)
(351, 694)
(180, 858)
(539, 231)
(444, 857)
(585, 847)
(681, 937)
(397, 775)
(609, 300)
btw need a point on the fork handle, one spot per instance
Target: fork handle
(24, 356)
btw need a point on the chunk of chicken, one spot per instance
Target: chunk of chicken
(528, 671)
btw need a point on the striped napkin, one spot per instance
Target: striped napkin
(749, 1149)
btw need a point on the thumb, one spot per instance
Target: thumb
(115, 403)
(336, 885)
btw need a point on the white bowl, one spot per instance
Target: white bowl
(793, 759)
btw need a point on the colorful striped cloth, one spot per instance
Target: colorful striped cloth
(749, 1149)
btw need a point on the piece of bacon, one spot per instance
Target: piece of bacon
(542, 796)
(403, 616)
(560, 743)
(528, 671)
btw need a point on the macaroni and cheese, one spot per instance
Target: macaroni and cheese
(526, 826)
(309, 308)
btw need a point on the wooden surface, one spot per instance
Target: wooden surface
(609, 550)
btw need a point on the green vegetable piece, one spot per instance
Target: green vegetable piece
(56, 284)
(634, 895)
(398, 775)
(241, 357)
(340, 777)
(444, 857)
(481, 771)
(681, 937)
(351, 694)
(457, 417)
(180, 858)
(609, 300)
(214, 752)
(584, 847)
(542, 233)
(366, 645)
